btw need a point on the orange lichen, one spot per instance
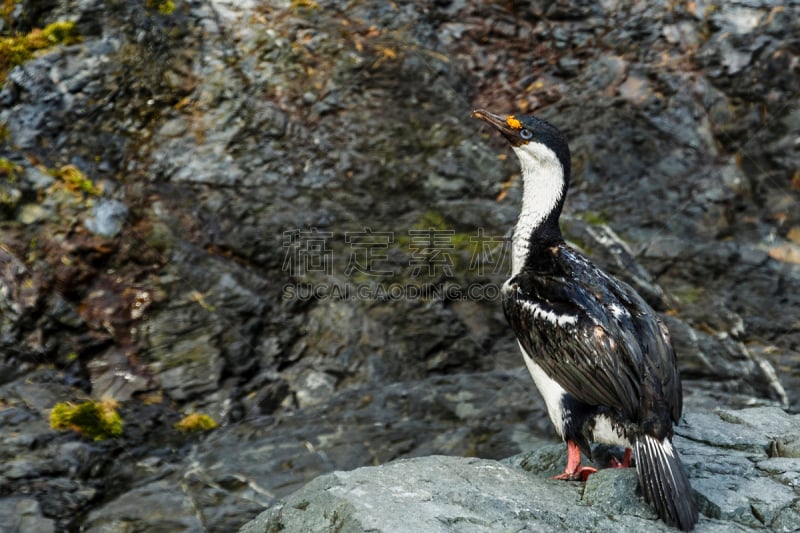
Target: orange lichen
(512, 122)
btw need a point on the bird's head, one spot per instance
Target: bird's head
(544, 160)
(537, 143)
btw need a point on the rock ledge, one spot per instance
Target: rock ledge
(744, 466)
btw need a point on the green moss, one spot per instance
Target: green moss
(431, 219)
(305, 4)
(9, 195)
(594, 218)
(578, 243)
(196, 422)
(689, 295)
(75, 180)
(459, 246)
(96, 420)
(6, 10)
(165, 7)
(33, 249)
(9, 170)
(461, 241)
(16, 49)
(464, 242)
(62, 32)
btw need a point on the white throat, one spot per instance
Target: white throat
(542, 189)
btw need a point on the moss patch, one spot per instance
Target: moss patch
(75, 180)
(689, 295)
(165, 7)
(196, 422)
(459, 246)
(9, 170)
(7, 9)
(595, 218)
(96, 420)
(16, 49)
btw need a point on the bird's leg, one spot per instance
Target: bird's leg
(626, 460)
(574, 470)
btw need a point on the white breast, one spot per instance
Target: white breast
(551, 391)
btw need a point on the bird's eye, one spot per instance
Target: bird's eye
(526, 134)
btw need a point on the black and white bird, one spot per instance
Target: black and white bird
(599, 355)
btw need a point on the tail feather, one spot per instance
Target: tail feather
(664, 482)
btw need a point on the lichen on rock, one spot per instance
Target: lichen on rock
(196, 422)
(16, 49)
(96, 420)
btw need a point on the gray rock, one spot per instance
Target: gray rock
(159, 506)
(106, 218)
(23, 514)
(773, 424)
(439, 494)
(460, 494)
(615, 493)
(190, 367)
(254, 463)
(707, 427)
(751, 502)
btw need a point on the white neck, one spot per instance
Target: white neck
(542, 189)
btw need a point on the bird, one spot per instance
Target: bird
(597, 352)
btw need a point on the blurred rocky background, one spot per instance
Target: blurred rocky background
(174, 174)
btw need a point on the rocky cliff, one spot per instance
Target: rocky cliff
(279, 214)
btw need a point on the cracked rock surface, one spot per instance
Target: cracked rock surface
(743, 479)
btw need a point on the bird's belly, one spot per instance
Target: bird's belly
(605, 431)
(600, 426)
(550, 390)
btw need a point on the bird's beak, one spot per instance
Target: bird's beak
(507, 125)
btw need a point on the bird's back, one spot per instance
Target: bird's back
(595, 336)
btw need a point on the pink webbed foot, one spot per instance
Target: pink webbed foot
(625, 463)
(574, 470)
(581, 474)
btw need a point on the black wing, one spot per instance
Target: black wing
(597, 338)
